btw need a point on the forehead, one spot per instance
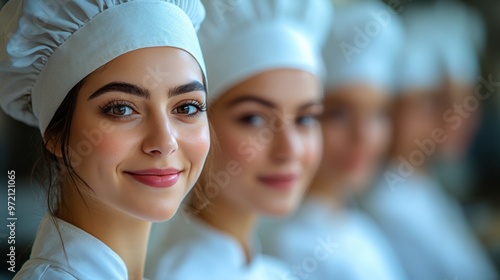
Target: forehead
(357, 94)
(282, 87)
(149, 68)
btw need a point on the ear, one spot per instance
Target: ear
(54, 147)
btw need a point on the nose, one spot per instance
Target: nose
(287, 144)
(160, 138)
(366, 130)
(361, 129)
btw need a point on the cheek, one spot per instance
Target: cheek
(114, 144)
(108, 150)
(335, 140)
(195, 144)
(313, 144)
(408, 125)
(90, 143)
(379, 137)
(235, 144)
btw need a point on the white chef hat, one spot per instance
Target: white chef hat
(463, 39)
(243, 38)
(47, 47)
(365, 42)
(421, 65)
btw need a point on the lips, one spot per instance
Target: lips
(279, 181)
(157, 178)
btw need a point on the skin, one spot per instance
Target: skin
(285, 103)
(417, 113)
(459, 138)
(159, 131)
(356, 134)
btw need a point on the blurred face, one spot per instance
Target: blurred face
(356, 131)
(267, 126)
(139, 134)
(416, 114)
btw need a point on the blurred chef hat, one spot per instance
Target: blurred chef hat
(243, 38)
(462, 40)
(364, 45)
(420, 65)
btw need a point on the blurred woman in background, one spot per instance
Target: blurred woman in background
(361, 55)
(425, 225)
(459, 50)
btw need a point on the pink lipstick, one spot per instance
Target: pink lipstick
(279, 181)
(157, 178)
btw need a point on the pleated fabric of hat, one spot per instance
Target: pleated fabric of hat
(243, 38)
(364, 45)
(47, 47)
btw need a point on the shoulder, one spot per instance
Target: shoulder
(42, 270)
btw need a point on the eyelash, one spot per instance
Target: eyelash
(201, 107)
(247, 119)
(311, 117)
(116, 103)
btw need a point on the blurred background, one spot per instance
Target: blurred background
(478, 193)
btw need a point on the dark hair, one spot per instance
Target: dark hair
(50, 171)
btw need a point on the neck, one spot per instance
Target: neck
(125, 235)
(405, 164)
(233, 220)
(330, 191)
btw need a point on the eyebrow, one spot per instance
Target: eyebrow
(249, 98)
(189, 87)
(121, 87)
(310, 104)
(144, 93)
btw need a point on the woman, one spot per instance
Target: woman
(425, 225)
(356, 133)
(263, 60)
(120, 105)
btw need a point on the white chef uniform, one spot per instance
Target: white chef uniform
(67, 252)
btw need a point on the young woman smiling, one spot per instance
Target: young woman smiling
(121, 108)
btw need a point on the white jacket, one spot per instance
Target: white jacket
(321, 244)
(87, 257)
(428, 231)
(193, 250)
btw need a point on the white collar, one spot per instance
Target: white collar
(87, 256)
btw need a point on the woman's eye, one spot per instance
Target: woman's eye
(186, 109)
(337, 115)
(118, 109)
(121, 110)
(253, 120)
(307, 120)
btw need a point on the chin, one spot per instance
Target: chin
(159, 214)
(280, 209)
(356, 184)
